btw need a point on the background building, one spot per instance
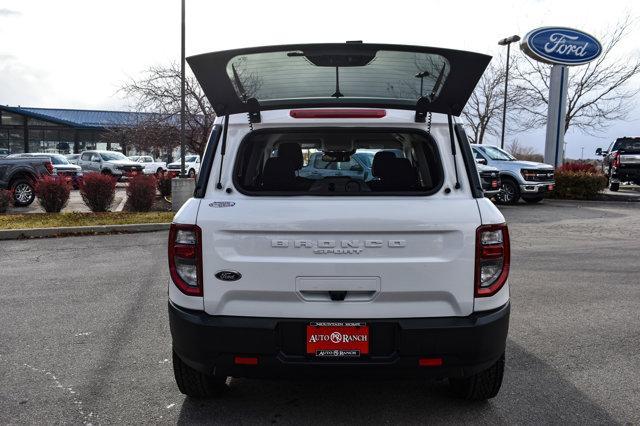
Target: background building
(61, 131)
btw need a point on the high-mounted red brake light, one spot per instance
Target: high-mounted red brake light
(185, 258)
(493, 257)
(338, 113)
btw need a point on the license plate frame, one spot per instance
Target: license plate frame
(337, 339)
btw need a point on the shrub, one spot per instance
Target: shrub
(53, 193)
(6, 197)
(98, 191)
(164, 185)
(578, 185)
(141, 193)
(578, 167)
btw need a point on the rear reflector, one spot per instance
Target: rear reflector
(430, 362)
(245, 360)
(338, 113)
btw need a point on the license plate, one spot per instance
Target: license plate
(337, 339)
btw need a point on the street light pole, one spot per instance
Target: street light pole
(506, 42)
(182, 102)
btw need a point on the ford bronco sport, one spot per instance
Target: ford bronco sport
(274, 274)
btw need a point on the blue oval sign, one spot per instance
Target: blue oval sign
(559, 45)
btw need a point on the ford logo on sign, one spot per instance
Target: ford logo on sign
(558, 45)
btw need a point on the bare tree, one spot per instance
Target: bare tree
(158, 91)
(150, 133)
(525, 153)
(598, 93)
(482, 112)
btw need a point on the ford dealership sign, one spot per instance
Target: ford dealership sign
(559, 45)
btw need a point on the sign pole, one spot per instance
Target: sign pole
(556, 115)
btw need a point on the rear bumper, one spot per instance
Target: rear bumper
(625, 173)
(466, 345)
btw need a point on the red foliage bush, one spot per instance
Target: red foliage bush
(6, 197)
(578, 167)
(98, 191)
(53, 193)
(141, 193)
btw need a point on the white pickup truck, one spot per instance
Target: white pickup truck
(274, 274)
(151, 166)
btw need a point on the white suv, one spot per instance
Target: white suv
(275, 274)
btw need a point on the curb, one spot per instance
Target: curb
(16, 234)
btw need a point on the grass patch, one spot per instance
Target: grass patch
(56, 220)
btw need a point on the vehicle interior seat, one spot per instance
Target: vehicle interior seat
(392, 173)
(280, 173)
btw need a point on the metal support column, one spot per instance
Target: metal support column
(556, 116)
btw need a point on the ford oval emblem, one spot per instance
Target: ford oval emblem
(559, 45)
(228, 275)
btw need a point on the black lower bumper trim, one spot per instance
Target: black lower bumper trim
(466, 345)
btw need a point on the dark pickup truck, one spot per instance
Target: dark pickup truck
(621, 162)
(20, 176)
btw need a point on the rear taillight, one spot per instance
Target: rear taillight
(492, 259)
(49, 166)
(616, 159)
(185, 258)
(338, 113)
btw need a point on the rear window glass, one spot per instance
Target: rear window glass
(338, 162)
(382, 74)
(627, 145)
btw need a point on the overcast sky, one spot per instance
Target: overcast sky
(76, 53)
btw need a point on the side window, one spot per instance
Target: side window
(319, 164)
(349, 165)
(613, 146)
(477, 155)
(86, 156)
(146, 159)
(95, 157)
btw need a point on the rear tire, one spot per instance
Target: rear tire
(533, 200)
(614, 186)
(23, 192)
(195, 384)
(509, 193)
(481, 386)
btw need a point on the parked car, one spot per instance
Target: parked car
(109, 162)
(20, 174)
(61, 166)
(490, 180)
(520, 179)
(276, 274)
(73, 158)
(191, 165)
(357, 167)
(621, 162)
(151, 166)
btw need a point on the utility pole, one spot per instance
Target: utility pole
(181, 187)
(182, 101)
(506, 42)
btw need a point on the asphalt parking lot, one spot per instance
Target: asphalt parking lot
(84, 336)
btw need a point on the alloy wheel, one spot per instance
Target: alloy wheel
(23, 193)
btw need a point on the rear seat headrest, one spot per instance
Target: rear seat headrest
(292, 153)
(377, 166)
